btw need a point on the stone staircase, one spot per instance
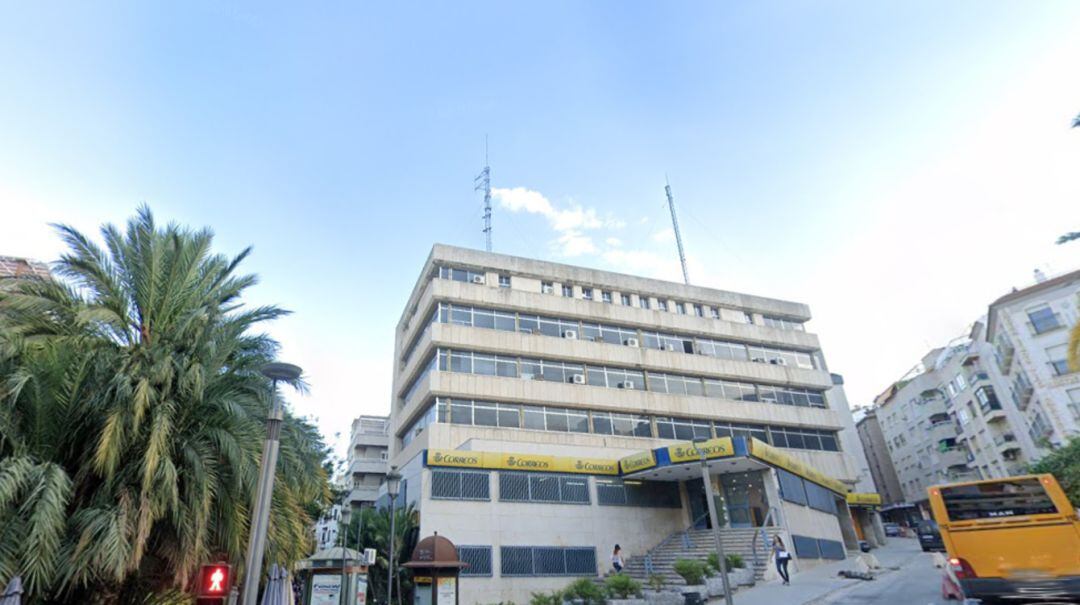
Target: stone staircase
(697, 544)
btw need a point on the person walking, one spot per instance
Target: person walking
(616, 559)
(780, 552)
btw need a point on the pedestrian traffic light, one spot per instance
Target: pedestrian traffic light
(215, 580)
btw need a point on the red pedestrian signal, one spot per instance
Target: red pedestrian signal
(215, 580)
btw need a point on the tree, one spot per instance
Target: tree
(131, 420)
(371, 529)
(1064, 464)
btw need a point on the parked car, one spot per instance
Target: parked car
(893, 530)
(930, 537)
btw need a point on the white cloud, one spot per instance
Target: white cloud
(575, 244)
(664, 236)
(569, 224)
(614, 242)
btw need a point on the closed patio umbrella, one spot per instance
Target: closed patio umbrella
(13, 593)
(278, 588)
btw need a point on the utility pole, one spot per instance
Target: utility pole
(678, 236)
(483, 183)
(714, 520)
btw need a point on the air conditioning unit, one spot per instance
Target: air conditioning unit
(577, 378)
(547, 289)
(570, 334)
(628, 385)
(759, 360)
(669, 347)
(778, 361)
(478, 279)
(369, 556)
(631, 342)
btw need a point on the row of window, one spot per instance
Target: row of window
(509, 321)
(608, 296)
(485, 364)
(794, 488)
(570, 420)
(530, 560)
(551, 489)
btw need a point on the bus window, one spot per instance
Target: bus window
(1005, 498)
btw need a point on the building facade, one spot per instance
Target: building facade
(12, 266)
(542, 413)
(1029, 333)
(327, 527)
(877, 456)
(366, 463)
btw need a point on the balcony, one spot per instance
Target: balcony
(1006, 442)
(954, 457)
(942, 430)
(975, 378)
(368, 466)
(994, 415)
(1003, 353)
(363, 493)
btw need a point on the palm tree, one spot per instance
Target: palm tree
(373, 528)
(132, 419)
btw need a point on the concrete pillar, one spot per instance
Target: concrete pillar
(879, 527)
(847, 525)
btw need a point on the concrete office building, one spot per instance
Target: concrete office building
(366, 463)
(543, 413)
(1029, 330)
(877, 456)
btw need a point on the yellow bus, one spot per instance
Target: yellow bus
(1009, 539)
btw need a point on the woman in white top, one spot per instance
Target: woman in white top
(616, 559)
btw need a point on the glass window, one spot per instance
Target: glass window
(661, 304)
(547, 287)
(504, 281)
(1043, 319)
(568, 291)
(643, 302)
(699, 310)
(605, 296)
(1003, 498)
(680, 308)
(533, 417)
(714, 312)
(624, 299)
(1058, 357)
(586, 293)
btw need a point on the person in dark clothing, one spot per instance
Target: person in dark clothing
(782, 556)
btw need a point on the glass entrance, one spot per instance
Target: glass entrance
(744, 494)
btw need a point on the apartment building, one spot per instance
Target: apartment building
(544, 412)
(327, 527)
(12, 266)
(1029, 330)
(877, 456)
(366, 463)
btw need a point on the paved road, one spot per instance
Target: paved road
(917, 583)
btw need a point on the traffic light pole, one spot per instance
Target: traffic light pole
(260, 517)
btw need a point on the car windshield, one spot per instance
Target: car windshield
(1007, 498)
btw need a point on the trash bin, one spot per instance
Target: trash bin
(692, 598)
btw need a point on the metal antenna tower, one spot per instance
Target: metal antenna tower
(675, 224)
(483, 182)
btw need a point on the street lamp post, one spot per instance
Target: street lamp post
(393, 482)
(260, 512)
(715, 521)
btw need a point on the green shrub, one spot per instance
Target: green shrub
(691, 570)
(733, 562)
(713, 561)
(586, 590)
(544, 598)
(621, 586)
(657, 582)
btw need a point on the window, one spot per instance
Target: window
(478, 558)
(1040, 428)
(748, 317)
(504, 281)
(586, 293)
(734, 429)
(547, 287)
(625, 425)
(808, 439)
(1004, 498)
(951, 388)
(462, 275)
(643, 302)
(605, 296)
(1043, 319)
(723, 350)
(792, 487)
(648, 494)
(675, 385)
(988, 401)
(699, 310)
(543, 487)
(680, 308)
(568, 291)
(961, 383)
(560, 420)
(714, 312)
(1058, 356)
(548, 560)
(1074, 402)
(781, 323)
(616, 378)
(460, 485)
(478, 413)
(661, 304)
(624, 299)
(610, 334)
(684, 429)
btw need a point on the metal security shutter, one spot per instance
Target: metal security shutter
(805, 547)
(516, 560)
(478, 558)
(446, 484)
(544, 488)
(476, 486)
(610, 492)
(549, 561)
(831, 549)
(791, 487)
(575, 490)
(514, 487)
(581, 561)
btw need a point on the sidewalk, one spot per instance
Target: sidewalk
(822, 580)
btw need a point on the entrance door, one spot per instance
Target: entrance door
(737, 495)
(699, 506)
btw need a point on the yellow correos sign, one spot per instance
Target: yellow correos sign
(871, 499)
(763, 451)
(637, 462)
(522, 462)
(720, 447)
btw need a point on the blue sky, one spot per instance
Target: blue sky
(894, 165)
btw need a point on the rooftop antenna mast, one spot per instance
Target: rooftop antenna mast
(675, 224)
(483, 182)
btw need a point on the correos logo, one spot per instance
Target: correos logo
(586, 466)
(452, 459)
(526, 463)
